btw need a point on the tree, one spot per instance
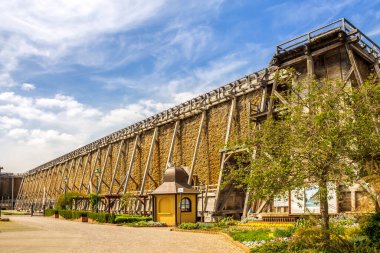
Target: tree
(305, 142)
(365, 146)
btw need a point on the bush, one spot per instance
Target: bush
(284, 232)
(311, 238)
(102, 217)
(148, 224)
(272, 247)
(371, 228)
(251, 235)
(49, 212)
(131, 218)
(189, 225)
(61, 203)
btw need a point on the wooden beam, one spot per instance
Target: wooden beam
(196, 147)
(61, 180)
(229, 124)
(354, 64)
(310, 66)
(171, 148)
(90, 184)
(116, 166)
(99, 187)
(128, 175)
(53, 173)
(89, 157)
(377, 69)
(79, 164)
(147, 165)
(69, 173)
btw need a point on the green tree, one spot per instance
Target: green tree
(364, 149)
(305, 142)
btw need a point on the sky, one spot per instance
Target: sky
(74, 71)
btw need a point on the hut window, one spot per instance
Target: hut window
(185, 205)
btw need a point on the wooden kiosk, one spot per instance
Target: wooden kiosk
(175, 201)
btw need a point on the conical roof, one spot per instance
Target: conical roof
(174, 178)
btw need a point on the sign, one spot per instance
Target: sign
(180, 190)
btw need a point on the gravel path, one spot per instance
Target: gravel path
(42, 234)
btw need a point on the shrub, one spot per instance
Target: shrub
(94, 199)
(284, 232)
(251, 235)
(148, 224)
(49, 212)
(131, 218)
(272, 247)
(228, 221)
(61, 203)
(371, 228)
(189, 225)
(102, 217)
(311, 238)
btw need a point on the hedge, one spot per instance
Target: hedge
(102, 217)
(131, 219)
(73, 214)
(49, 212)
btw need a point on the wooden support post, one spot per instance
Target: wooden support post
(229, 124)
(89, 157)
(79, 164)
(377, 69)
(310, 66)
(61, 179)
(103, 169)
(353, 199)
(175, 133)
(69, 173)
(147, 165)
(263, 100)
(196, 147)
(128, 175)
(351, 57)
(116, 166)
(53, 171)
(90, 184)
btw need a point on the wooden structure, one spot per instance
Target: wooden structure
(175, 201)
(193, 134)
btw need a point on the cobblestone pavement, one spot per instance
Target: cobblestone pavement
(44, 234)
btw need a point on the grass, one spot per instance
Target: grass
(13, 212)
(252, 235)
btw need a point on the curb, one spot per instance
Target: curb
(226, 236)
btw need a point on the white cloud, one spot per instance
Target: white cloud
(27, 86)
(8, 123)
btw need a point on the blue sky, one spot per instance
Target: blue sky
(74, 71)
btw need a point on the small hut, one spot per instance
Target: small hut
(175, 201)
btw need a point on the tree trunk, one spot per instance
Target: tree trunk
(324, 207)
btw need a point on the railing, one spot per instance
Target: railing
(339, 25)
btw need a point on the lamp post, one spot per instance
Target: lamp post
(97, 187)
(66, 180)
(1, 192)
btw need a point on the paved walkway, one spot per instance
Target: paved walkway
(44, 234)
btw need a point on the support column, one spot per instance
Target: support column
(103, 169)
(175, 133)
(353, 198)
(196, 147)
(377, 69)
(351, 57)
(128, 175)
(147, 166)
(116, 166)
(222, 162)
